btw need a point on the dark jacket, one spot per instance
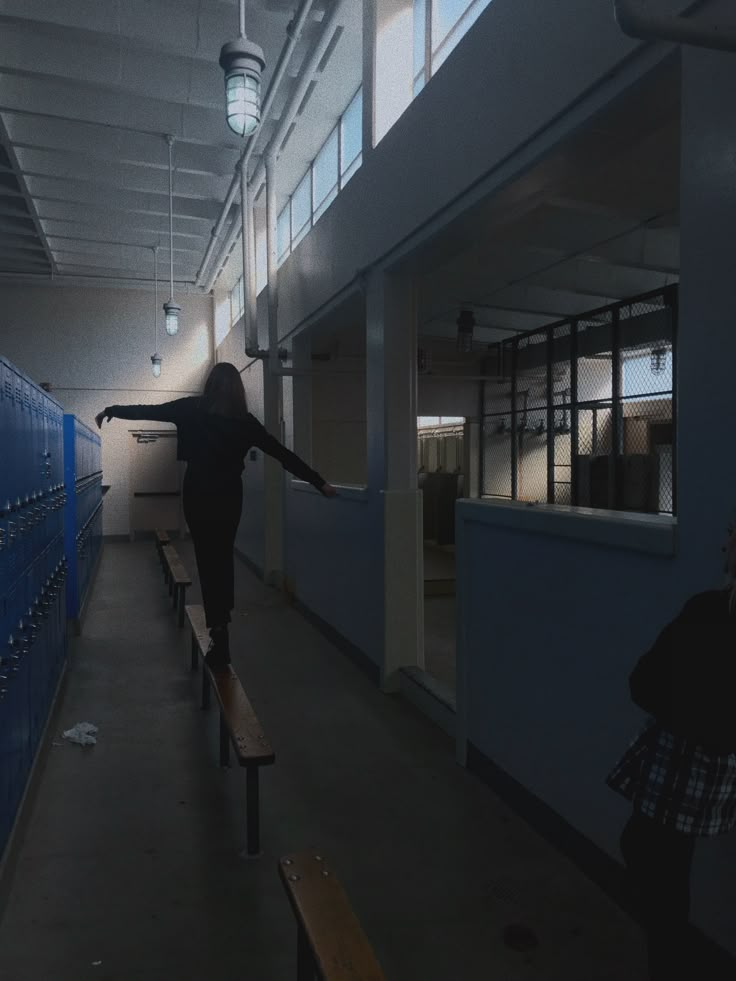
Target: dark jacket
(214, 444)
(687, 681)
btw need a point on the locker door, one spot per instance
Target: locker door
(6, 443)
(7, 414)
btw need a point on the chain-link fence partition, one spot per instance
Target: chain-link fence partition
(585, 413)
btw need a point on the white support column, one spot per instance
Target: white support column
(706, 463)
(392, 466)
(273, 472)
(370, 18)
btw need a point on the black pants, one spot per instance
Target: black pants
(658, 864)
(212, 507)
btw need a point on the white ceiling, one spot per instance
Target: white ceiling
(89, 91)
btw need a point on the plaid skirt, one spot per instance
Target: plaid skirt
(677, 782)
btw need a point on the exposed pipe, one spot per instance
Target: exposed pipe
(285, 122)
(293, 32)
(678, 29)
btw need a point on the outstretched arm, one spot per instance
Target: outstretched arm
(164, 412)
(288, 460)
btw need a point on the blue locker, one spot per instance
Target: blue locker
(32, 571)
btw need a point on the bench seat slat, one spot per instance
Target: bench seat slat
(339, 945)
(180, 574)
(248, 738)
(249, 741)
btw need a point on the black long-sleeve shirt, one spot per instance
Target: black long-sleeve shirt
(212, 443)
(687, 681)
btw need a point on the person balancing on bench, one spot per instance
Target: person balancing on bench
(214, 433)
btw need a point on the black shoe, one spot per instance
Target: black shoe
(218, 653)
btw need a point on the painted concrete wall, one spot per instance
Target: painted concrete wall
(447, 398)
(94, 347)
(551, 628)
(515, 73)
(339, 427)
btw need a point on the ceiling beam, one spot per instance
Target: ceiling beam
(25, 191)
(74, 167)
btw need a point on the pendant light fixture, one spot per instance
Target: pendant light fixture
(171, 309)
(658, 360)
(243, 62)
(155, 358)
(465, 327)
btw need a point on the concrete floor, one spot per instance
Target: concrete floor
(440, 614)
(129, 866)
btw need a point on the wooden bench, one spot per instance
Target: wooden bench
(161, 539)
(331, 944)
(238, 723)
(178, 579)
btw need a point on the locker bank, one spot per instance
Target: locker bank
(473, 263)
(49, 544)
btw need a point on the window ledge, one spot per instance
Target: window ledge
(655, 534)
(348, 492)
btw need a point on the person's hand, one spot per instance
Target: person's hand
(99, 417)
(328, 490)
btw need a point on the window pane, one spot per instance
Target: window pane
(420, 24)
(451, 20)
(261, 261)
(318, 212)
(647, 375)
(324, 170)
(351, 170)
(240, 296)
(352, 131)
(301, 208)
(424, 422)
(283, 233)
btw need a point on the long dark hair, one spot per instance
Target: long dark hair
(224, 392)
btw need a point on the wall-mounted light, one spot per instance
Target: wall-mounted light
(155, 358)
(465, 327)
(171, 309)
(243, 62)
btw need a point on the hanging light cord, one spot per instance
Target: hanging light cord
(242, 18)
(171, 222)
(155, 310)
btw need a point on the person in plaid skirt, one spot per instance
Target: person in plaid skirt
(680, 771)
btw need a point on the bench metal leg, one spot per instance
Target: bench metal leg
(306, 969)
(195, 652)
(253, 810)
(205, 689)
(182, 603)
(224, 743)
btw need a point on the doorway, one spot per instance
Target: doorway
(155, 485)
(441, 480)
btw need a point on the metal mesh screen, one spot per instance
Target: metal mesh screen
(586, 418)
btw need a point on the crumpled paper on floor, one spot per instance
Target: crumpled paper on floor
(82, 733)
